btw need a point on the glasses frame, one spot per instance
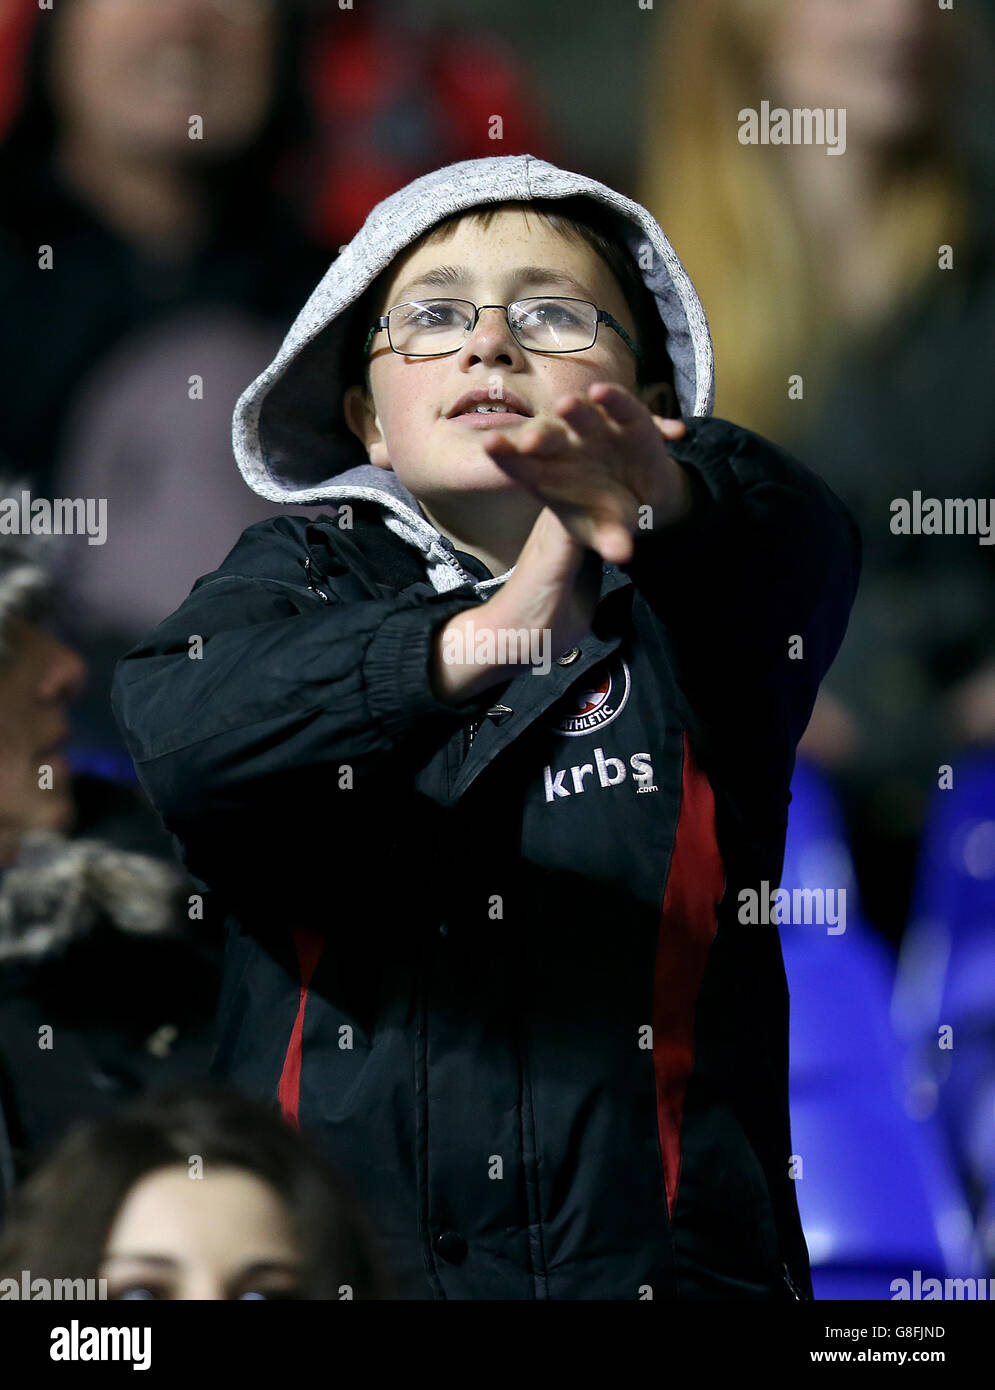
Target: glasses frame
(603, 316)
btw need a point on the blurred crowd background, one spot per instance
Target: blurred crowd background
(176, 266)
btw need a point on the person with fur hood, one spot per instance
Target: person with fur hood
(103, 989)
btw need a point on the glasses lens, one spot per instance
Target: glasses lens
(554, 325)
(427, 326)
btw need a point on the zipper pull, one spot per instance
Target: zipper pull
(310, 581)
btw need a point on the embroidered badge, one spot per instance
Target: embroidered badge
(597, 702)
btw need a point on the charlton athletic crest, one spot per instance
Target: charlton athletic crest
(597, 702)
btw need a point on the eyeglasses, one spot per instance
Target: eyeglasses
(435, 327)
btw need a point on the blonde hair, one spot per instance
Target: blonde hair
(734, 219)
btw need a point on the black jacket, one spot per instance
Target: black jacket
(490, 956)
(106, 987)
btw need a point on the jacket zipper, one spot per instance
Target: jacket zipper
(309, 573)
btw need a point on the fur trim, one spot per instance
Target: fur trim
(59, 889)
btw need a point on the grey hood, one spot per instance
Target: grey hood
(290, 437)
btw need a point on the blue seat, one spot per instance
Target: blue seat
(966, 1096)
(817, 851)
(840, 981)
(880, 1196)
(956, 877)
(839, 988)
(108, 763)
(946, 968)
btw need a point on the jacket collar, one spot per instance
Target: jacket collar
(387, 565)
(387, 561)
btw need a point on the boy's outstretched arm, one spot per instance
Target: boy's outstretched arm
(256, 679)
(755, 587)
(751, 562)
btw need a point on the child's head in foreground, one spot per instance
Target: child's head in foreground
(427, 372)
(200, 1193)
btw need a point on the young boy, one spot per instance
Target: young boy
(481, 762)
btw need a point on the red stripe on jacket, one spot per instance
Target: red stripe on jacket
(309, 947)
(687, 927)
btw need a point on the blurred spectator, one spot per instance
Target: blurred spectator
(178, 263)
(302, 120)
(151, 233)
(397, 94)
(104, 989)
(198, 1194)
(136, 438)
(144, 213)
(826, 271)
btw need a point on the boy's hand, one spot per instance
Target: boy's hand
(595, 462)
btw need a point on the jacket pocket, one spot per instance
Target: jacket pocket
(724, 1230)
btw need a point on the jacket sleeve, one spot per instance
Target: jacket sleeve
(754, 591)
(256, 682)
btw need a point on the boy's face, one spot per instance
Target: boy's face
(409, 425)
